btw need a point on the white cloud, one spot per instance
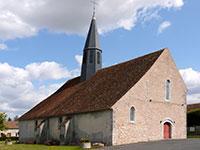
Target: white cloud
(22, 88)
(3, 46)
(12, 26)
(28, 17)
(192, 80)
(163, 26)
(191, 77)
(47, 70)
(79, 59)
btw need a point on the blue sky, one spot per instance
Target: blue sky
(58, 46)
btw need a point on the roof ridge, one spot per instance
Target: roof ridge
(124, 62)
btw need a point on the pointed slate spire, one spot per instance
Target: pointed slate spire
(92, 59)
(92, 40)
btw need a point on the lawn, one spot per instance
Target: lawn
(36, 147)
(194, 136)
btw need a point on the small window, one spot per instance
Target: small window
(59, 122)
(36, 125)
(8, 134)
(168, 90)
(16, 134)
(47, 123)
(98, 58)
(91, 57)
(132, 114)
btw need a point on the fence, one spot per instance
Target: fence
(193, 131)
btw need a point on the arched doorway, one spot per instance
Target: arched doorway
(167, 130)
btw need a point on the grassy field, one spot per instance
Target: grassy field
(194, 110)
(36, 147)
(194, 136)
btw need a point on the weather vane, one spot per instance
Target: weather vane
(94, 7)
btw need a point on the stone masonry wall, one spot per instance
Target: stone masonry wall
(95, 125)
(54, 131)
(151, 108)
(26, 131)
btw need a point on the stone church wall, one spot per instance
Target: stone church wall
(26, 131)
(151, 108)
(97, 126)
(54, 131)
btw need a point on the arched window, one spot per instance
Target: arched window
(168, 90)
(132, 114)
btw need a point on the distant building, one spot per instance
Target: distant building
(142, 99)
(193, 107)
(12, 129)
(193, 119)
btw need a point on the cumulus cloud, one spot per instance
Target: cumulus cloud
(163, 26)
(22, 88)
(192, 80)
(79, 59)
(13, 26)
(3, 46)
(28, 17)
(47, 70)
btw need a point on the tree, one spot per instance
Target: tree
(2, 120)
(9, 119)
(15, 118)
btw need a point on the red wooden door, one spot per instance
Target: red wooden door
(167, 130)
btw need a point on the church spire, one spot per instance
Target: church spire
(92, 40)
(92, 59)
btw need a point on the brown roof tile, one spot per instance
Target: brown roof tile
(193, 106)
(100, 92)
(11, 125)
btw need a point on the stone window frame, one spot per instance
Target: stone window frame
(132, 114)
(168, 88)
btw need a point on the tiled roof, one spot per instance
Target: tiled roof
(11, 125)
(193, 106)
(98, 93)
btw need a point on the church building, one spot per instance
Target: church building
(143, 99)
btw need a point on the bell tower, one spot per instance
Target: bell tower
(92, 54)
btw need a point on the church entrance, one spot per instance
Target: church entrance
(167, 130)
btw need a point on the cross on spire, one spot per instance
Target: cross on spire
(94, 7)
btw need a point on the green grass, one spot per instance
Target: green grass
(36, 147)
(194, 136)
(194, 110)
